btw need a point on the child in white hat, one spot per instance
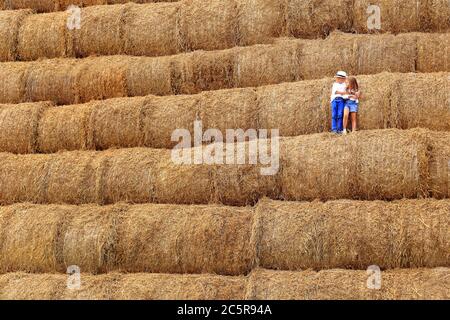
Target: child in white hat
(338, 92)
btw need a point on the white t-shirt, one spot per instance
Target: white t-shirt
(338, 87)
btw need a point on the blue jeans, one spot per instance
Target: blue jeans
(337, 115)
(351, 105)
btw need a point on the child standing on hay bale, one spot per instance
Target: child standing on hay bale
(351, 104)
(337, 102)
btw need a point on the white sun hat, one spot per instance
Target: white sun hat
(341, 74)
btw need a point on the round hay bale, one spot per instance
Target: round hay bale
(71, 178)
(22, 178)
(209, 26)
(65, 128)
(185, 239)
(261, 20)
(228, 109)
(117, 123)
(12, 82)
(25, 286)
(437, 17)
(10, 22)
(51, 238)
(384, 164)
(381, 53)
(52, 80)
(101, 78)
(433, 53)
(439, 144)
(322, 58)
(101, 31)
(180, 287)
(146, 76)
(429, 284)
(316, 18)
(267, 64)
(391, 235)
(140, 286)
(19, 127)
(161, 19)
(396, 16)
(162, 115)
(38, 6)
(306, 103)
(211, 70)
(43, 36)
(423, 101)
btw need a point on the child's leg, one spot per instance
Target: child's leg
(340, 115)
(354, 116)
(346, 113)
(334, 125)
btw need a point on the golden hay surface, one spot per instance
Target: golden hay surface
(224, 240)
(119, 76)
(10, 22)
(352, 234)
(169, 28)
(402, 284)
(19, 126)
(149, 121)
(439, 163)
(369, 165)
(139, 238)
(116, 286)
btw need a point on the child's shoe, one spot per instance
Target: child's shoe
(344, 132)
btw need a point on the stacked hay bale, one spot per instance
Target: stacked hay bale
(93, 181)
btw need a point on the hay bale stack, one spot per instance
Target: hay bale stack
(101, 31)
(437, 16)
(161, 19)
(439, 145)
(433, 53)
(311, 18)
(120, 76)
(143, 286)
(353, 234)
(10, 22)
(51, 41)
(210, 26)
(402, 284)
(387, 102)
(19, 126)
(185, 239)
(260, 21)
(386, 164)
